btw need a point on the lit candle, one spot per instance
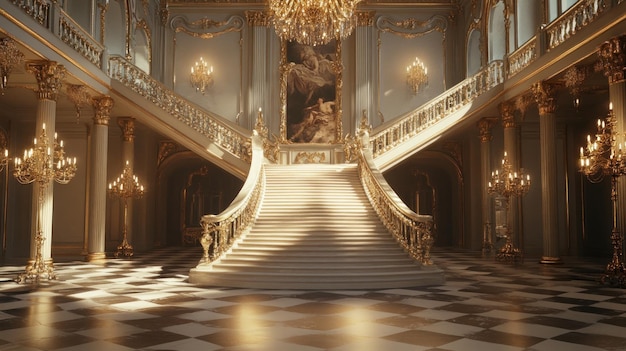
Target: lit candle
(610, 106)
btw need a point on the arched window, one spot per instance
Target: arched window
(142, 49)
(473, 53)
(497, 33)
(528, 19)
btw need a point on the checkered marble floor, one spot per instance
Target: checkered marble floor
(146, 303)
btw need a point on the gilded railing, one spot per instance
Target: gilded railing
(219, 232)
(412, 231)
(577, 17)
(39, 10)
(522, 57)
(217, 131)
(462, 94)
(78, 39)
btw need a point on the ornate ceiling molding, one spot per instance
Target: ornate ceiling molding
(411, 27)
(206, 28)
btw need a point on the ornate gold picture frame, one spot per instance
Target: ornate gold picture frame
(310, 93)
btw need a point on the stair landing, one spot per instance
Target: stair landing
(316, 230)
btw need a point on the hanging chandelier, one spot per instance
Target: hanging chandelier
(313, 22)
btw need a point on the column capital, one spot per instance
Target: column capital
(49, 75)
(484, 127)
(507, 113)
(364, 18)
(127, 124)
(544, 94)
(102, 107)
(258, 18)
(612, 57)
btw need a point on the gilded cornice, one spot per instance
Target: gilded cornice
(612, 56)
(102, 110)
(365, 18)
(206, 28)
(49, 75)
(507, 114)
(411, 27)
(544, 94)
(484, 128)
(258, 18)
(127, 125)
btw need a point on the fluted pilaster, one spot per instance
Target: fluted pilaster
(364, 76)
(545, 97)
(98, 186)
(258, 22)
(49, 77)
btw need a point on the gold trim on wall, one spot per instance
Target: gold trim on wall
(206, 28)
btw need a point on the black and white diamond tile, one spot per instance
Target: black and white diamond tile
(146, 303)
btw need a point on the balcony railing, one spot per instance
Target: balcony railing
(152, 90)
(78, 39)
(464, 93)
(573, 20)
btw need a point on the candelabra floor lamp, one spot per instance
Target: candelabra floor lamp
(126, 187)
(508, 183)
(602, 157)
(42, 164)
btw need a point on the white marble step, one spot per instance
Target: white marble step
(316, 230)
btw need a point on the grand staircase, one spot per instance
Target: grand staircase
(316, 230)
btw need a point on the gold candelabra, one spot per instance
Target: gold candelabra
(313, 22)
(603, 156)
(42, 164)
(201, 76)
(417, 75)
(508, 183)
(126, 186)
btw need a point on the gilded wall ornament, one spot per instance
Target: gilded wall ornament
(206, 28)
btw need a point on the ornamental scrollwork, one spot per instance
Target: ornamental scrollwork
(206, 28)
(412, 28)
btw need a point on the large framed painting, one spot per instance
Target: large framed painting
(310, 93)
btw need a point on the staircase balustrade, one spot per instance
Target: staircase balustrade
(154, 91)
(403, 128)
(219, 232)
(411, 230)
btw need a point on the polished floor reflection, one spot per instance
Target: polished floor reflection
(145, 303)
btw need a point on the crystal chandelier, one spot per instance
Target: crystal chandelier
(313, 22)
(417, 75)
(126, 186)
(508, 183)
(10, 57)
(201, 76)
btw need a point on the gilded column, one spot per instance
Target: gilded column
(98, 186)
(127, 125)
(363, 80)
(484, 127)
(612, 56)
(545, 97)
(49, 77)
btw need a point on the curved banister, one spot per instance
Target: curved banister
(399, 130)
(221, 133)
(220, 231)
(413, 231)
